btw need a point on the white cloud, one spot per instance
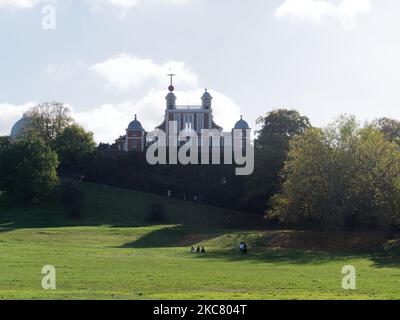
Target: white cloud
(94, 4)
(19, 4)
(109, 121)
(125, 72)
(24, 4)
(346, 11)
(10, 113)
(125, 5)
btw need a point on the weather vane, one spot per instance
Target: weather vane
(171, 86)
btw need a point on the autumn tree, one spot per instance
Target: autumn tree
(47, 120)
(271, 147)
(339, 178)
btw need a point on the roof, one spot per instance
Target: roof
(135, 125)
(241, 124)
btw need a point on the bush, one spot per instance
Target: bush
(156, 213)
(73, 199)
(392, 247)
(27, 168)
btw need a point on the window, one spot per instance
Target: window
(200, 122)
(188, 122)
(177, 119)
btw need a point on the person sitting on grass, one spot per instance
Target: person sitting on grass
(198, 249)
(202, 250)
(192, 250)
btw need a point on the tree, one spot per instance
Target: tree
(271, 147)
(27, 168)
(103, 146)
(47, 120)
(73, 144)
(5, 144)
(389, 127)
(340, 178)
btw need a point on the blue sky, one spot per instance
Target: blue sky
(108, 58)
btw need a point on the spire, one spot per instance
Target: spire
(171, 87)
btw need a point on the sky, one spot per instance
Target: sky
(108, 59)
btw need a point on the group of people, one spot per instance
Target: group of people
(197, 250)
(242, 248)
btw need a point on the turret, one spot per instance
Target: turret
(206, 100)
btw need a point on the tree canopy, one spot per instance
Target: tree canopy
(341, 177)
(27, 168)
(48, 119)
(73, 144)
(271, 147)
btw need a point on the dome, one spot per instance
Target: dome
(206, 95)
(19, 127)
(135, 125)
(170, 95)
(241, 124)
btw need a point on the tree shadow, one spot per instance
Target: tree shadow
(379, 259)
(120, 208)
(283, 256)
(184, 236)
(172, 236)
(383, 260)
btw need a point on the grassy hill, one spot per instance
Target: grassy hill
(119, 207)
(112, 253)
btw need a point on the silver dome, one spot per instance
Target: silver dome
(19, 127)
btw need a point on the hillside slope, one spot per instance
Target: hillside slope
(120, 207)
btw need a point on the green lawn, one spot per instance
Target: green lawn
(113, 254)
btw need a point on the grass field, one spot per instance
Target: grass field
(113, 254)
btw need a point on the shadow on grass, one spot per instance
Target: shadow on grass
(173, 236)
(182, 236)
(120, 208)
(379, 259)
(282, 256)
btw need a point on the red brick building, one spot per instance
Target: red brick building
(194, 118)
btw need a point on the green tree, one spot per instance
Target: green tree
(340, 178)
(47, 120)
(27, 168)
(271, 147)
(5, 144)
(73, 144)
(390, 128)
